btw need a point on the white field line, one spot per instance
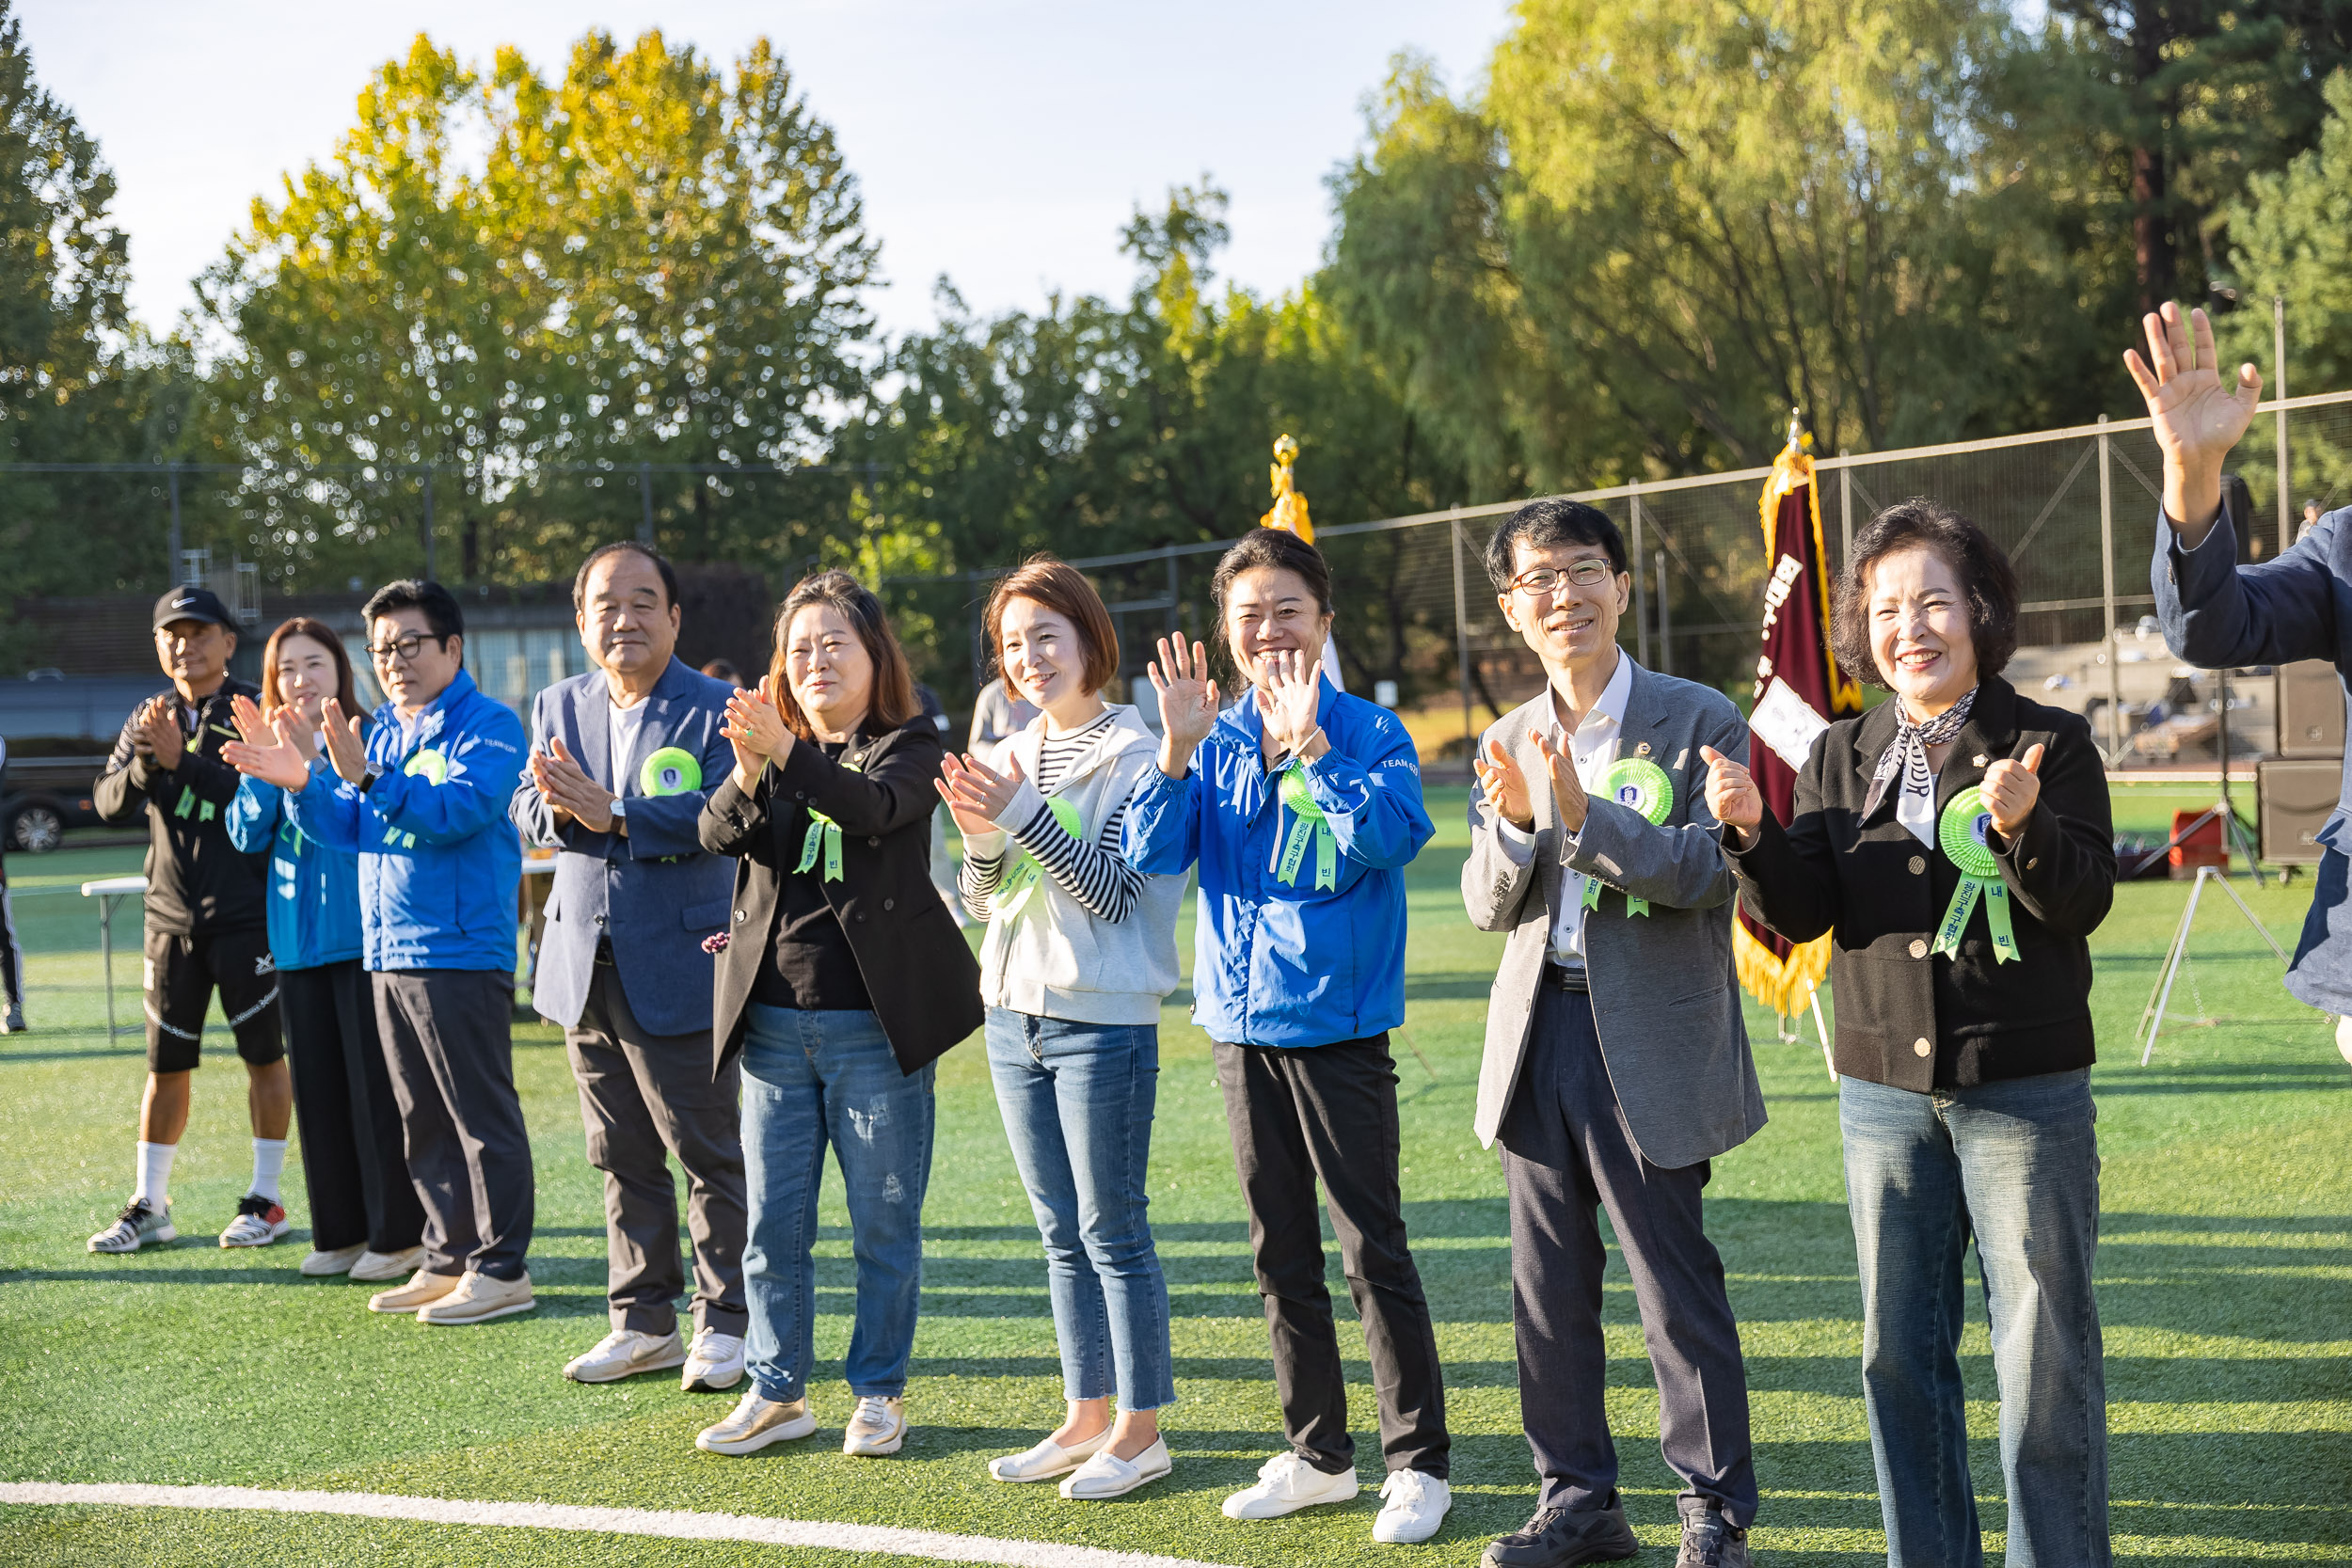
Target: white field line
(935, 1546)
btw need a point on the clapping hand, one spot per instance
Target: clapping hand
(268, 751)
(165, 742)
(1567, 790)
(757, 732)
(2195, 415)
(257, 726)
(568, 788)
(977, 796)
(1732, 798)
(1187, 703)
(1505, 785)
(1290, 687)
(345, 750)
(2012, 786)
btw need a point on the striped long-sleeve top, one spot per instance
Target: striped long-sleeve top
(1093, 871)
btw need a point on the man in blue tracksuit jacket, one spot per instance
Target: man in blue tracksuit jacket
(424, 804)
(622, 760)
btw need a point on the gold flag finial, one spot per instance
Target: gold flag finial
(1289, 511)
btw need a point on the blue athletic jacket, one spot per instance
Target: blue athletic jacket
(1289, 964)
(439, 863)
(313, 890)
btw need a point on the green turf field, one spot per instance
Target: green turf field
(2226, 1291)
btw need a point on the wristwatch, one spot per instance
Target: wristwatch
(367, 779)
(620, 807)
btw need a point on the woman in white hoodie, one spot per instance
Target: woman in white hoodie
(1081, 949)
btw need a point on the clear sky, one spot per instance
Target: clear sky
(1001, 143)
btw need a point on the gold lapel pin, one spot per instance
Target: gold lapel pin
(1976, 761)
(1643, 750)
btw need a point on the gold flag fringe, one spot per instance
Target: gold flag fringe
(1784, 985)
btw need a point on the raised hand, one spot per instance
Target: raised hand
(977, 796)
(1567, 790)
(2196, 415)
(269, 752)
(1289, 690)
(2012, 786)
(1505, 785)
(1189, 702)
(1732, 798)
(165, 742)
(345, 751)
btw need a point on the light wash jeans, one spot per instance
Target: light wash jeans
(1077, 1100)
(810, 1078)
(2016, 1163)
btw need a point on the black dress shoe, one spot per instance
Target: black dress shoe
(1556, 1538)
(1709, 1539)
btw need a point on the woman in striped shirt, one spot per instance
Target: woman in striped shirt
(1081, 949)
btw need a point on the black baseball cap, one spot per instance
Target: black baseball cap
(192, 602)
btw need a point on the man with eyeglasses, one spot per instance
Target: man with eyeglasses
(1616, 1064)
(206, 925)
(421, 795)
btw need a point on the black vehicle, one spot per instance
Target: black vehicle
(58, 734)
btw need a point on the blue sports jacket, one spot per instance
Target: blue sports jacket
(439, 863)
(314, 890)
(1289, 964)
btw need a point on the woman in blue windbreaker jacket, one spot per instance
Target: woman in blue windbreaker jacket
(365, 1220)
(1302, 807)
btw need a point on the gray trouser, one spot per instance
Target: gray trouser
(643, 1097)
(448, 1040)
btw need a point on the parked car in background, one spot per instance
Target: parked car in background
(59, 731)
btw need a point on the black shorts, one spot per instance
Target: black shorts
(180, 973)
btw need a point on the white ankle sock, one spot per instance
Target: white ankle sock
(155, 1173)
(269, 1163)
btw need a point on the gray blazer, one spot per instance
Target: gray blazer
(1665, 998)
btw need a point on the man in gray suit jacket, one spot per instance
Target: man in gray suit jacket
(622, 760)
(1617, 1062)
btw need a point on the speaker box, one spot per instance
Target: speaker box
(2294, 799)
(2311, 709)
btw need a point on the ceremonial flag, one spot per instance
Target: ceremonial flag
(1799, 689)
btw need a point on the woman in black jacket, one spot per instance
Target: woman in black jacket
(1957, 842)
(841, 980)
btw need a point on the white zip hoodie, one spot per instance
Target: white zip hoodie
(1050, 956)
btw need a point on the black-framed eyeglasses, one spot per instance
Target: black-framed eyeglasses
(1541, 582)
(404, 648)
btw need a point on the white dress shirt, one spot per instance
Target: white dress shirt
(1594, 747)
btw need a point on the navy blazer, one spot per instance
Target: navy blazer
(2218, 614)
(653, 891)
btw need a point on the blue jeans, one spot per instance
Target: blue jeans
(2016, 1165)
(810, 1078)
(1077, 1100)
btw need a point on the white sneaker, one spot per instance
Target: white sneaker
(139, 1222)
(879, 1427)
(756, 1422)
(376, 1268)
(259, 1222)
(1047, 1460)
(625, 1353)
(333, 1261)
(714, 1362)
(1415, 1508)
(1106, 1474)
(1287, 1483)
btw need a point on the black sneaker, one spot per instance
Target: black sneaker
(1709, 1539)
(1557, 1538)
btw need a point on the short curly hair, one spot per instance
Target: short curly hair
(1985, 575)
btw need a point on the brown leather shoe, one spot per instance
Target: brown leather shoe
(478, 1299)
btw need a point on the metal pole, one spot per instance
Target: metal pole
(176, 540)
(1461, 636)
(1641, 589)
(1665, 621)
(645, 489)
(429, 537)
(1175, 627)
(2107, 592)
(2278, 373)
(1845, 513)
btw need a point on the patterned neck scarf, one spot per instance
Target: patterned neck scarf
(1907, 753)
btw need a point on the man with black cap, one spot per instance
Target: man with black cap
(206, 920)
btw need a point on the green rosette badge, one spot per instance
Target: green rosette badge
(1307, 823)
(1640, 786)
(1025, 877)
(825, 833)
(1961, 832)
(672, 771)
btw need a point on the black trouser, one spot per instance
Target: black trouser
(1329, 1111)
(1566, 1152)
(11, 956)
(352, 1164)
(449, 1041)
